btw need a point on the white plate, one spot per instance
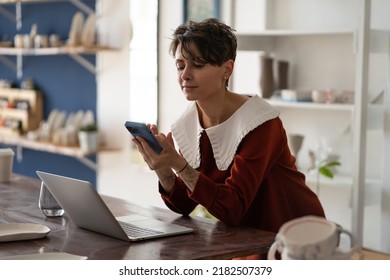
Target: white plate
(75, 29)
(89, 30)
(22, 231)
(46, 256)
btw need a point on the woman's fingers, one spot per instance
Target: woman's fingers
(153, 159)
(139, 147)
(153, 128)
(170, 139)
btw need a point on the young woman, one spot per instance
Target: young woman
(233, 154)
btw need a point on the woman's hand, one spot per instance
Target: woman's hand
(168, 158)
(164, 162)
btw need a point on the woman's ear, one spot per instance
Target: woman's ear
(229, 66)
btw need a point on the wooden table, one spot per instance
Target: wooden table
(211, 240)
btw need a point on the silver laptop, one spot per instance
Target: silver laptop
(87, 210)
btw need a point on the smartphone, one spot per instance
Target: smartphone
(140, 129)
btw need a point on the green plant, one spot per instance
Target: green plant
(325, 169)
(89, 127)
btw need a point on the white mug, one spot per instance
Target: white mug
(310, 238)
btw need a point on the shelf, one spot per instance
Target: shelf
(372, 187)
(312, 105)
(54, 51)
(339, 180)
(289, 32)
(7, 135)
(75, 52)
(375, 112)
(269, 38)
(22, 142)
(42, 146)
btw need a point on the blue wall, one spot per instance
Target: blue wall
(66, 85)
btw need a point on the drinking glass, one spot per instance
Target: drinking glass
(48, 203)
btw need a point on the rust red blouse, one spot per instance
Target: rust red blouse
(261, 188)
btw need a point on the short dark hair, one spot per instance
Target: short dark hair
(208, 41)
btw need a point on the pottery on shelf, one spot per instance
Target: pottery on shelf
(282, 72)
(267, 83)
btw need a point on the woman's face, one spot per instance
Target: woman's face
(200, 81)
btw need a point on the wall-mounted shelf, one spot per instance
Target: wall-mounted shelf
(75, 52)
(14, 58)
(17, 17)
(266, 40)
(376, 112)
(54, 51)
(22, 142)
(312, 105)
(303, 32)
(342, 181)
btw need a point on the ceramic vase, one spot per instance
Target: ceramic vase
(282, 70)
(88, 141)
(295, 143)
(267, 83)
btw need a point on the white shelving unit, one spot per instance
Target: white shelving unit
(312, 106)
(326, 53)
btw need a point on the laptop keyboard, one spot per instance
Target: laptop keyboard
(135, 231)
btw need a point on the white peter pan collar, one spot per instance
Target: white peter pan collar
(225, 137)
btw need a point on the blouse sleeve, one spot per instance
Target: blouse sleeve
(178, 200)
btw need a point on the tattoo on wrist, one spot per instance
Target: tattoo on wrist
(167, 179)
(189, 176)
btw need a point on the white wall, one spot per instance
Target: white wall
(171, 99)
(313, 14)
(121, 172)
(113, 72)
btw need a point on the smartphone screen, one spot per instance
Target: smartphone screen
(140, 129)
